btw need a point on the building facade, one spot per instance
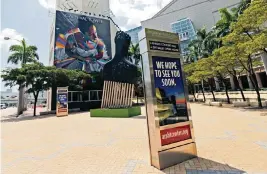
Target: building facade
(200, 12)
(186, 31)
(67, 14)
(10, 98)
(134, 34)
(184, 17)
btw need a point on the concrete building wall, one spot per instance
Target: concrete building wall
(201, 12)
(93, 6)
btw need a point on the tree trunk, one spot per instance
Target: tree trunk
(252, 77)
(203, 94)
(34, 107)
(194, 94)
(212, 92)
(242, 93)
(227, 95)
(256, 87)
(226, 91)
(239, 87)
(35, 102)
(214, 99)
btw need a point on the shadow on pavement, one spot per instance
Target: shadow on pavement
(139, 117)
(14, 118)
(202, 166)
(29, 116)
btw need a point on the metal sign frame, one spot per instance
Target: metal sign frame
(65, 110)
(163, 156)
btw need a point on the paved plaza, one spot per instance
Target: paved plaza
(228, 141)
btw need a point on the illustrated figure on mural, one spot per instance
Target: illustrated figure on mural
(80, 47)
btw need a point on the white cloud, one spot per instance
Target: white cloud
(133, 11)
(136, 10)
(49, 4)
(13, 36)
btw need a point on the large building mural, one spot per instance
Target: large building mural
(81, 42)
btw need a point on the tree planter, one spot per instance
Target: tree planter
(240, 104)
(216, 104)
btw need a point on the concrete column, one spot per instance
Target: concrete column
(259, 80)
(48, 99)
(217, 84)
(20, 102)
(264, 60)
(250, 83)
(232, 82)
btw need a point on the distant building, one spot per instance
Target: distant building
(185, 29)
(11, 98)
(184, 17)
(134, 34)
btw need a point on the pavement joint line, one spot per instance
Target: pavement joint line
(262, 144)
(63, 148)
(130, 166)
(228, 135)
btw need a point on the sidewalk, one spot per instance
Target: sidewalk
(228, 141)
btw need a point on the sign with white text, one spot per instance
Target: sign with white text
(170, 128)
(169, 87)
(163, 46)
(62, 101)
(174, 135)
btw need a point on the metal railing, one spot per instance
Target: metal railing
(85, 96)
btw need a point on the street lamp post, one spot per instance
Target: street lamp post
(21, 100)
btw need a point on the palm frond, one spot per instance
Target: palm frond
(16, 48)
(31, 48)
(15, 58)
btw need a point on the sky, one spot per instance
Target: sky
(30, 19)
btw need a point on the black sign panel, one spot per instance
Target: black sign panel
(162, 46)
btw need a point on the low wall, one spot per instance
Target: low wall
(234, 96)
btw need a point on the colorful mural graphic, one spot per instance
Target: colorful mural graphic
(82, 42)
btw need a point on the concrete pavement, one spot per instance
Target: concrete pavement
(228, 141)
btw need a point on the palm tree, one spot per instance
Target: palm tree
(135, 56)
(244, 4)
(222, 27)
(204, 44)
(134, 53)
(23, 53)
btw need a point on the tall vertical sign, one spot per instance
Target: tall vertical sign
(170, 128)
(62, 101)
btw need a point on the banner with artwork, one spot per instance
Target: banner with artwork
(62, 101)
(81, 42)
(169, 87)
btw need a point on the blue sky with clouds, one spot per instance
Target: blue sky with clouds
(24, 19)
(30, 19)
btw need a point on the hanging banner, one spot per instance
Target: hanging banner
(62, 101)
(171, 136)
